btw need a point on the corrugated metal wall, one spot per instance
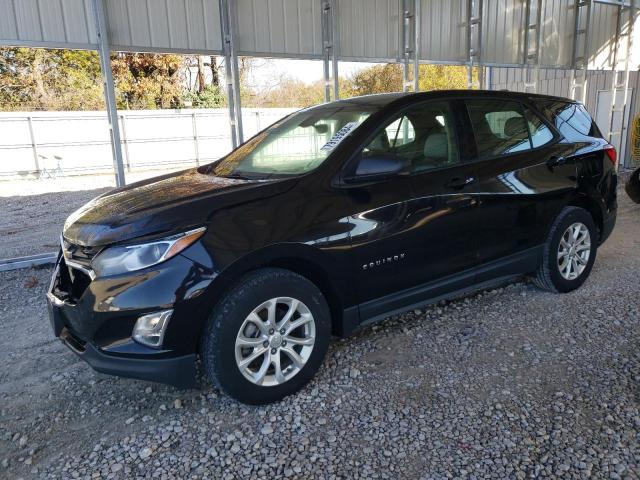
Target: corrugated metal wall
(164, 25)
(442, 31)
(282, 28)
(53, 23)
(558, 18)
(503, 39)
(368, 30)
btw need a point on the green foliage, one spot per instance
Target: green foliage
(381, 78)
(147, 81)
(210, 97)
(37, 79)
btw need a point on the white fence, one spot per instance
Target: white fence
(48, 144)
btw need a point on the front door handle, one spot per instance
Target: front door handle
(458, 183)
(555, 161)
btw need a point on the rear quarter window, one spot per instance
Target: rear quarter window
(572, 120)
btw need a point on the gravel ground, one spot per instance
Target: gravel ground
(508, 383)
(32, 224)
(32, 212)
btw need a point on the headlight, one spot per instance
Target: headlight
(128, 258)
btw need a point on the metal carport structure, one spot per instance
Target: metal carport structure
(531, 35)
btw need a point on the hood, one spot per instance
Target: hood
(162, 205)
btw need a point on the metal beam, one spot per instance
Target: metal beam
(325, 12)
(532, 36)
(27, 262)
(405, 29)
(580, 56)
(232, 72)
(335, 35)
(474, 41)
(416, 48)
(615, 83)
(109, 91)
(329, 23)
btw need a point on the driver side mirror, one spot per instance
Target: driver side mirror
(376, 166)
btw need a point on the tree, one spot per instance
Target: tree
(381, 78)
(37, 79)
(443, 77)
(145, 80)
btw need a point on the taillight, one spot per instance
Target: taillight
(610, 150)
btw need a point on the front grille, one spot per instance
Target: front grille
(79, 253)
(75, 268)
(70, 283)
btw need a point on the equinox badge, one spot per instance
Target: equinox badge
(382, 261)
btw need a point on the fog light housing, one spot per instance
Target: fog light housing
(149, 329)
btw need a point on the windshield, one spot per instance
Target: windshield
(295, 145)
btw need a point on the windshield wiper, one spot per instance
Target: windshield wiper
(236, 176)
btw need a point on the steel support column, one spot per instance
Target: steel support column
(533, 36)
(474, 41)
(615, 82)
(409, 39)
(335, 36)
(581, 49)
(329, 23)
(416, 46)
(109, 91)
(228, 24)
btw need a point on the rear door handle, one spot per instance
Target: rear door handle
(459, 183)
(555, 160)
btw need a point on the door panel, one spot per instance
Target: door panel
(519, 191)
(518, 197)
(381, 237)
(416, 227)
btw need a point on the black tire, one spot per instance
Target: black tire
(217, 345)
(633, 186)
(548, 276)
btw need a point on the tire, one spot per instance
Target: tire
(550, 275)
(632, 186)
(232, 324)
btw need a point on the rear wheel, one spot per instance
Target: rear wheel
(267, 337)
(569, 252)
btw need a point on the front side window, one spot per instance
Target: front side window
(295, 145)
(423, 137)
(499, 126)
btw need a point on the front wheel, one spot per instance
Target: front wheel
(267, 337)
(569, 252)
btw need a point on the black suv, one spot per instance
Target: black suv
(333, 217)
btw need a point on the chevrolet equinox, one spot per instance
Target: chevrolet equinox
(331, 218)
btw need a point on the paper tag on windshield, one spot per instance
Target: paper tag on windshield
(339, 135)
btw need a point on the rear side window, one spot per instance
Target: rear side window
(540, 132)
(503, 127)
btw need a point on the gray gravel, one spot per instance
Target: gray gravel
(32, 224)
(509, 383)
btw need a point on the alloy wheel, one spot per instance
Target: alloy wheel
(275, 341)
(574, 251)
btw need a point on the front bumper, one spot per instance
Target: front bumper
(96, 320)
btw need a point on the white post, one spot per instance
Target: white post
(109, 91)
